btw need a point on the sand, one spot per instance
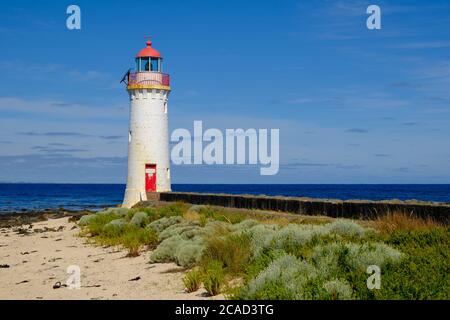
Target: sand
(39, 259)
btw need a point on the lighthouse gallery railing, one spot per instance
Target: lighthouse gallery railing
(148, 78)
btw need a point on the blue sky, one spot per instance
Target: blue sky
(353, 105)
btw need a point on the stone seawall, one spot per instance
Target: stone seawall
(333, 208)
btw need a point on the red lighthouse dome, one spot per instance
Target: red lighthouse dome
(148, 52)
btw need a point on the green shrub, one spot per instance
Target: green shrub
(337, 258)
(140, 219)
(423, 271)
(420, 238)
(232, 250)
(330, 258)
(192, 280)
(185, 229)
(345, 228)
(95, 225)
(379, 254)
(85, 220)
(338, 290)
(174, 209)
(217, 228)
(114, 227)
(214, 278)
(189, 252)
(292, 236)
(261, 262)
(245, 225)
(232, 217)
(163, 223)
(184, 252)
(119, 212)
(134, 238)
(261, 237)
(286, 278)
(208, 213)
(165, 252)
(196, 208)
(152, 213)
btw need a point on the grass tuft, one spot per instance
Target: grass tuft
(214, 278)
(402, 221)
(232, 250)
(192, 280)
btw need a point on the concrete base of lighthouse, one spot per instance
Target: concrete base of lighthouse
(133, 196)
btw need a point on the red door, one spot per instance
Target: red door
(150, 177)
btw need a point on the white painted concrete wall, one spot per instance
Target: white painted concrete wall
(148, 143)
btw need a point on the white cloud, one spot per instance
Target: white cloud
(55, 108)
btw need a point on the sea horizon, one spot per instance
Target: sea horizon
(16, 197)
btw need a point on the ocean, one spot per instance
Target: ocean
(24, 197)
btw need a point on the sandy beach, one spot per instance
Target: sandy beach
(34, 259)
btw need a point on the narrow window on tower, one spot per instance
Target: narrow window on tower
(154, 65)
(145, 64)
(129, 136)
(168, 173)
(165, 107)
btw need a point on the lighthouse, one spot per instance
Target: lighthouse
(148, 136)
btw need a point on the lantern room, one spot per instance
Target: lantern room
(148, 74)
(149, 59)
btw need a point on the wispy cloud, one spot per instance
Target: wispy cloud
(42, 70)
(299, 101)
(69, 134)
(60, 108)
(55, 134)
(381, 155)
(411, 124)
(58, 144)
(423, 45)
(356, 130)
(112, 137)
(50, 149)
(402, 170)
(88, 75)
(404, 85)
(56, 167)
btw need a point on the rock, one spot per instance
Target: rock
(135, 279)
(58, 285)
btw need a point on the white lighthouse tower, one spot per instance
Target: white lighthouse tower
(148, 136)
